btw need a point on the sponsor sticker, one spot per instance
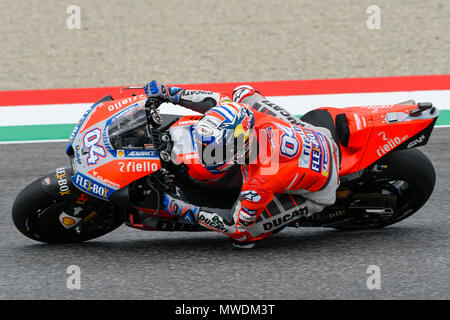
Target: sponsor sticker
(61, 180)
(46, 181)
(78, 155)
(204, 131)
(375, 108)
(285, 218)
(83, 198)
(215, 122)
(389, 143)
(140, 153)
(213, 223)
(305, 157)
(187, 93)
(187, 122)
(91, 187)
(325, 154)
(68, 221)
(96, 175)
(416, 142)
(239, 93)
(316, 152)
(138, 166)
(270, 136)
(118, 105)
(136, 153)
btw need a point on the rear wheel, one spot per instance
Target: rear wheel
(405, 184)
(51, 219)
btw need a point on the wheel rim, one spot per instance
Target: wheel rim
(46, 221)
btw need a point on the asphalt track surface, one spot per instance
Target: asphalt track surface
(413, 256)
(132, 42)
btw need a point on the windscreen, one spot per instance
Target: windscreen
(130, 130)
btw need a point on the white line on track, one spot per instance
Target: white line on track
(71, 113)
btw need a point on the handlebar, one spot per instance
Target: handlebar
(152, 103)
(160, 139)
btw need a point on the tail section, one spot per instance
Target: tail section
(367, 134)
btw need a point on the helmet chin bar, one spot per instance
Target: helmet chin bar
(227, 154)
(220, 153)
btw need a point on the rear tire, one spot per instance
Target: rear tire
(410, 166)
(36, 214)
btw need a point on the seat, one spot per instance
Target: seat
(339, 128)
(321, 118)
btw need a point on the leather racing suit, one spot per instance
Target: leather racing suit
(297, 177)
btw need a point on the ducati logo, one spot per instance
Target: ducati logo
(214, 223)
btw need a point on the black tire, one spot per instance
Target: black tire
(412, 167)
(36, 214)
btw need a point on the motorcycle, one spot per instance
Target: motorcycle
(121, 154)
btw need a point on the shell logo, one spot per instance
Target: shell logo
(120, 153)
(67, 221)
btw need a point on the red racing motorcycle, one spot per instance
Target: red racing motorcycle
(121, 162)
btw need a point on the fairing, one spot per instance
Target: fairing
(110, 147)
(377, 130)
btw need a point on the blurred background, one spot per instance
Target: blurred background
(132, 41)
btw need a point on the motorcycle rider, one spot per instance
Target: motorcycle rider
(298, 176)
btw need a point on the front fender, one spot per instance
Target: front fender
(58, 184)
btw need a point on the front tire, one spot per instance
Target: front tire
(38, 215)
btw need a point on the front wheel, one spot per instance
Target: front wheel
(54, 219)
(408, 180)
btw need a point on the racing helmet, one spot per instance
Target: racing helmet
(224, 135)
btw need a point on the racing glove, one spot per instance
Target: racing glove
(177, 207)
(160, 91)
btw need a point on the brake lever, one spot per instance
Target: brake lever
(152, 103)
